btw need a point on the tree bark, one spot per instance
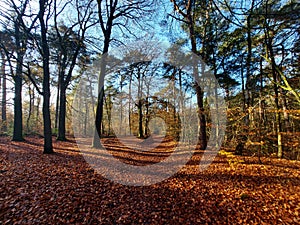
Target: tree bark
(99, 109)
(248, 91)
(48, 147)
(277, 105)
(3, 100)
(30, 108)
(98, 120)
(129, 104)
(62, 113)
(18, 116)
(201, 118)
(261, 113)
(100, 100)
(57, 105)
(276, 80)
(285, 110)
(199, 92)
(140, 115)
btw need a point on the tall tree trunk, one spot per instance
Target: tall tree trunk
(63, 82)
(277, 105)
(188, 14)
(18, 116)
(147, 119)
(100, 102)
(284, 101)
(85, 118)
(285, 110)
(218, 125)
(140, 104)
(107, 29)
(129, 105)
(107, 102)
(261, 124)
(199, 92)
(30, 108)
(57, 105)
(3, 101)
(48, 147)
(121, 107)
(37, 119)
(147, 115)
(181, 110)
(248, 91)
(243, 86)
(276, 80)
(62, 113)
(201, 118)
(140, 116)
(98, 119)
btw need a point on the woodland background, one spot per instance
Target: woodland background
(47, 49)
(252, 48)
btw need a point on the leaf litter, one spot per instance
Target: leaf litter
(63, 189)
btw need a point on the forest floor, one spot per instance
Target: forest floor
(63, 189)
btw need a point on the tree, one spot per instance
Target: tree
(186, 9)
(120, 14)
(5, 41)
(20, 35)
(68, 43)
(271, 30)
(45, 53)
(266, 32)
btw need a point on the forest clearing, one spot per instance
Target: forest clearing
(149, 112)
(63, 189)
